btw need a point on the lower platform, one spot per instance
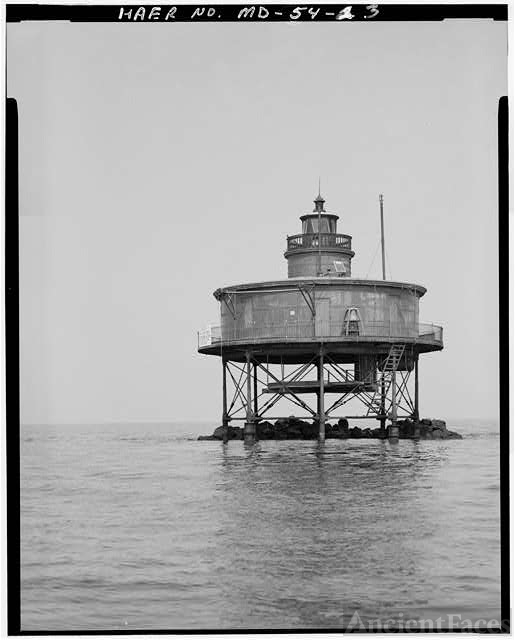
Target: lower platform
(312, 386)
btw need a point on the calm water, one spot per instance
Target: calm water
(140, 527)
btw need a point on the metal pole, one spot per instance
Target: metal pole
(249, 430)
(318, 392)
(382, 420)
(394, 397)
(382, 234)
(321, 408)
(394, 429)
(249, 390)
(255, 391)
(225, 417)
(417, 415)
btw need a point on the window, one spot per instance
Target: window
(311, 225)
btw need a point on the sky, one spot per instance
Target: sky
(159, 162)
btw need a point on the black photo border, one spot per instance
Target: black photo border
(111, 13)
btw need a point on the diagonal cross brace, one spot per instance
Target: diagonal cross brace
(308, 297)
(289, 392)
(228, 301)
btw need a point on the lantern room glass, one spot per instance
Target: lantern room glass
(327, 225)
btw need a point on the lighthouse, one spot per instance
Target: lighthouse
(320, 338)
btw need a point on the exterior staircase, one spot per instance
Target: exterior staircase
(389, 366)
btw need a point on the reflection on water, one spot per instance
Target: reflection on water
(139, 527)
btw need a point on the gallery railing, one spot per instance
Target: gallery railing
(310, 240)
(423, 332)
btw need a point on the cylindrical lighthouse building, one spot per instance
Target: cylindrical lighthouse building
(319, 338)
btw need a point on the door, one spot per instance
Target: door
(322, 327)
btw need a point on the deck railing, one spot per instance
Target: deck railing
(426, 332)
(310, 241)
(430, 331)
(210, 335)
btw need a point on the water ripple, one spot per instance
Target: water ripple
(140, 527)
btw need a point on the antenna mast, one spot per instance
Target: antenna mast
(382, 233)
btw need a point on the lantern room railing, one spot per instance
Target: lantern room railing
(425, 333)
(327, 240)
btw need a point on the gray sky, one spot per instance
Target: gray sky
(161, 161)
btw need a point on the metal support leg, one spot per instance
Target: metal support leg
(255, 391)
(249, 430)
(382, 420)
(393, 431)
(321, 409)
(225, 417)
(416, 414)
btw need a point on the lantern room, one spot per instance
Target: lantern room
(319, 250)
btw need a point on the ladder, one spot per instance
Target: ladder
(394, 357)
(390, 365)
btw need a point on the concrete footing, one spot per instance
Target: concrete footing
(249, 431)
(225, 431)
(393, 432)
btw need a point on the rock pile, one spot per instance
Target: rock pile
(428, 429)
(235, 433)
(295, 429)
